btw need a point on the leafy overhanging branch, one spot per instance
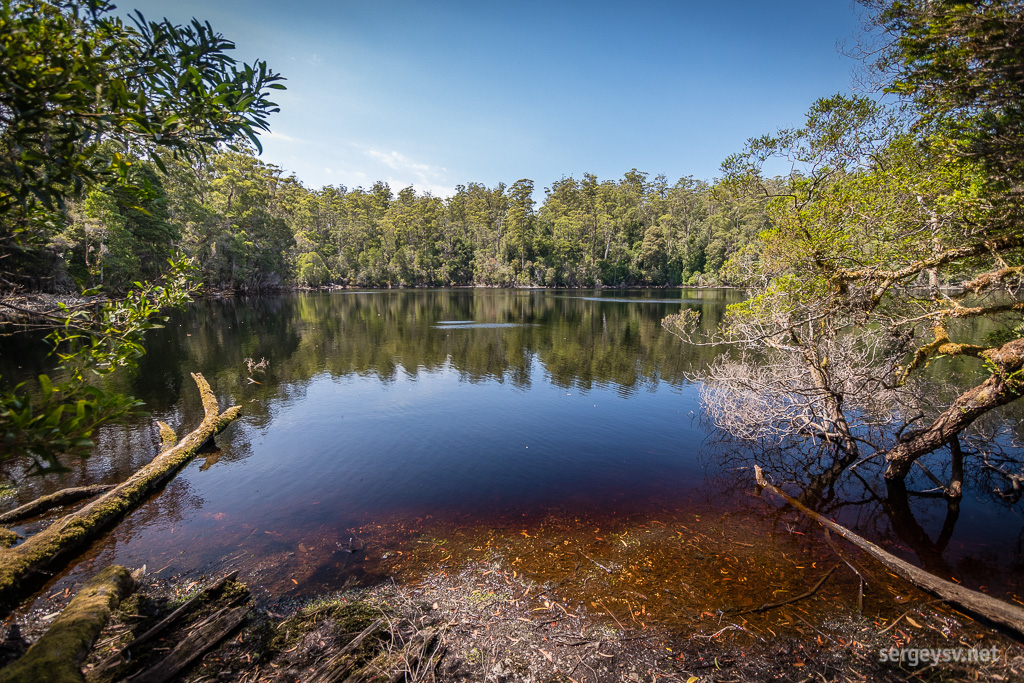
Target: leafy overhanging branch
(56, 419)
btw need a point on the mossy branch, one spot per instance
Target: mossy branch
(53, 500)
(58, 655)
(24, 565)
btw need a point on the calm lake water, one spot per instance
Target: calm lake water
(403, 415)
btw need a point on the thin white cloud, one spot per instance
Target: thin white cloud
(274, 135)
(433, 189)
(400, 162)
(423, 177)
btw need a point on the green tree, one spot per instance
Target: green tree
(74, 79)
(520, 221)
(82, 96)
(959, 63)
(846, 281)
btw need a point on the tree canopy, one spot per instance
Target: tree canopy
(85, 98)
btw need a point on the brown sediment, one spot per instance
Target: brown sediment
(676, 570)
(58, 655)
(649, 596)
(23, 565)
(486, 621)
(643, 598)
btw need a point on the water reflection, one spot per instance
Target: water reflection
(407, 409)
(972, 541)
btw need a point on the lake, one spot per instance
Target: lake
(392, 429)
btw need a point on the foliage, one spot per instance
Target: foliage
(884, 210)
(960, 63)
(91, 108)
(73, 76)
(60, 418)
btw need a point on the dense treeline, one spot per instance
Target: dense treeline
(251, 227)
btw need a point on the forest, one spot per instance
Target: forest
(250, 226)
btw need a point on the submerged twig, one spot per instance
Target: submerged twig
(772, 605)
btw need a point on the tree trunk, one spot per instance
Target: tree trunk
(57, 544)
(53, 500)
(999, 612)
(999, 389)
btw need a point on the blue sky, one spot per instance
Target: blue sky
(433, 94)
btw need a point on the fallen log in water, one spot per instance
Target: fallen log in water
(22, 566)
(995, 611)
(53, 500)
(58, 655)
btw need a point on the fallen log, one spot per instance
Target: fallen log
(53, 500)
(122, 655)
(985, 606)
(58, 655)
(338, 665)
(213, 630)
(23, 566)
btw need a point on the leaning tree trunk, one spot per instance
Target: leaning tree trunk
(1005, 614)
(22, 565)
(53, 500)
(1002, 387)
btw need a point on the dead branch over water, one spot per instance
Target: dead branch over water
(996, 611)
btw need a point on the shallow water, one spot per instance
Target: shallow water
(385, 420)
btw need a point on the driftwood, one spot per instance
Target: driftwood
(338, 665)
(23, 565)
(211, 632)
(996, 611)
(58, 655)
(53, 500)
(118, 658)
